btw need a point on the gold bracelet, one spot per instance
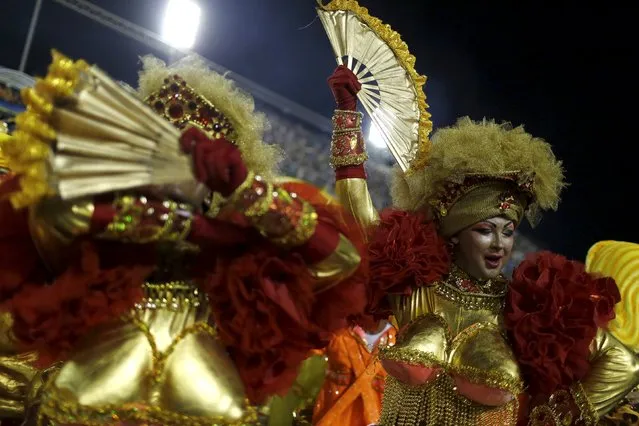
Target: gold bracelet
(302, 231)
(347, 149)
(129, 223)
(348, 160)
(344, 120)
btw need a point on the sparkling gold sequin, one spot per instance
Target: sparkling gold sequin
(460, 280)
(280, 216)
(438, 404)
(349, 160)
(453, 191)
(557, 412)
(302, 231)
(174, 296)
(60, 411)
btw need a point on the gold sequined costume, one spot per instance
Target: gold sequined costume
(166, 359)
(456, 324)
(452, 325)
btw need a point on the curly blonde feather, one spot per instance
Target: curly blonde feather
(234, 103)
(483, 147)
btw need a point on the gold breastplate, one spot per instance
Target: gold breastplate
(161, 365)
(462, 334)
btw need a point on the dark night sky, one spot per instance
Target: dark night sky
(561, 68)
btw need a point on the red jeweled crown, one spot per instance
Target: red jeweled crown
(180, 104)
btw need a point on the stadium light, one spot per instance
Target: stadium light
(181, 22)
(375, 137)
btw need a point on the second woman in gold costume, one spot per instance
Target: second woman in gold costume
(475, 348)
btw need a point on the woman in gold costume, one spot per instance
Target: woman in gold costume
(475, 348)
(163, 315)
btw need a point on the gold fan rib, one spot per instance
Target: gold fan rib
(406, 60)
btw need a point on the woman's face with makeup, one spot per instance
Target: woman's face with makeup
(483, 249)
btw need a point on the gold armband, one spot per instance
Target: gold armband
(139, 221)
(282, 217)
(347, 143)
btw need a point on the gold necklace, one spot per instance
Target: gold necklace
(464, 282)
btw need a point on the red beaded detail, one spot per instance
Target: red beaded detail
(506, 201)
(452, 191)
(140, 221)
(347, 144)
(279, 215)
(181, 105)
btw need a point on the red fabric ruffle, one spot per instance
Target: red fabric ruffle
(553, 310)
(263, 298)
(405, 251)
(50, 315)
(261, 303)
(266, 309)
(19, 259)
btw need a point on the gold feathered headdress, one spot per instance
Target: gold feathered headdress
(478, 170)
(189, 92)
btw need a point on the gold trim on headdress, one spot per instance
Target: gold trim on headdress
(181, 105)
(453, 191)
(473, 154)
(236, 108)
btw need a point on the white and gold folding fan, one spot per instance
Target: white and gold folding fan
(84, 134)
(392, 91)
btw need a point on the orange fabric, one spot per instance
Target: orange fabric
(352, 391)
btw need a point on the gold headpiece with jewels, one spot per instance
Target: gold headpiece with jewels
(188, 92)
(181, 105)
(479, 170)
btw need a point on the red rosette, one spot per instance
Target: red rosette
(265, 306)
(405, 251)
(553, 310)
(51, 316)
(261, 302)
(19, 258)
